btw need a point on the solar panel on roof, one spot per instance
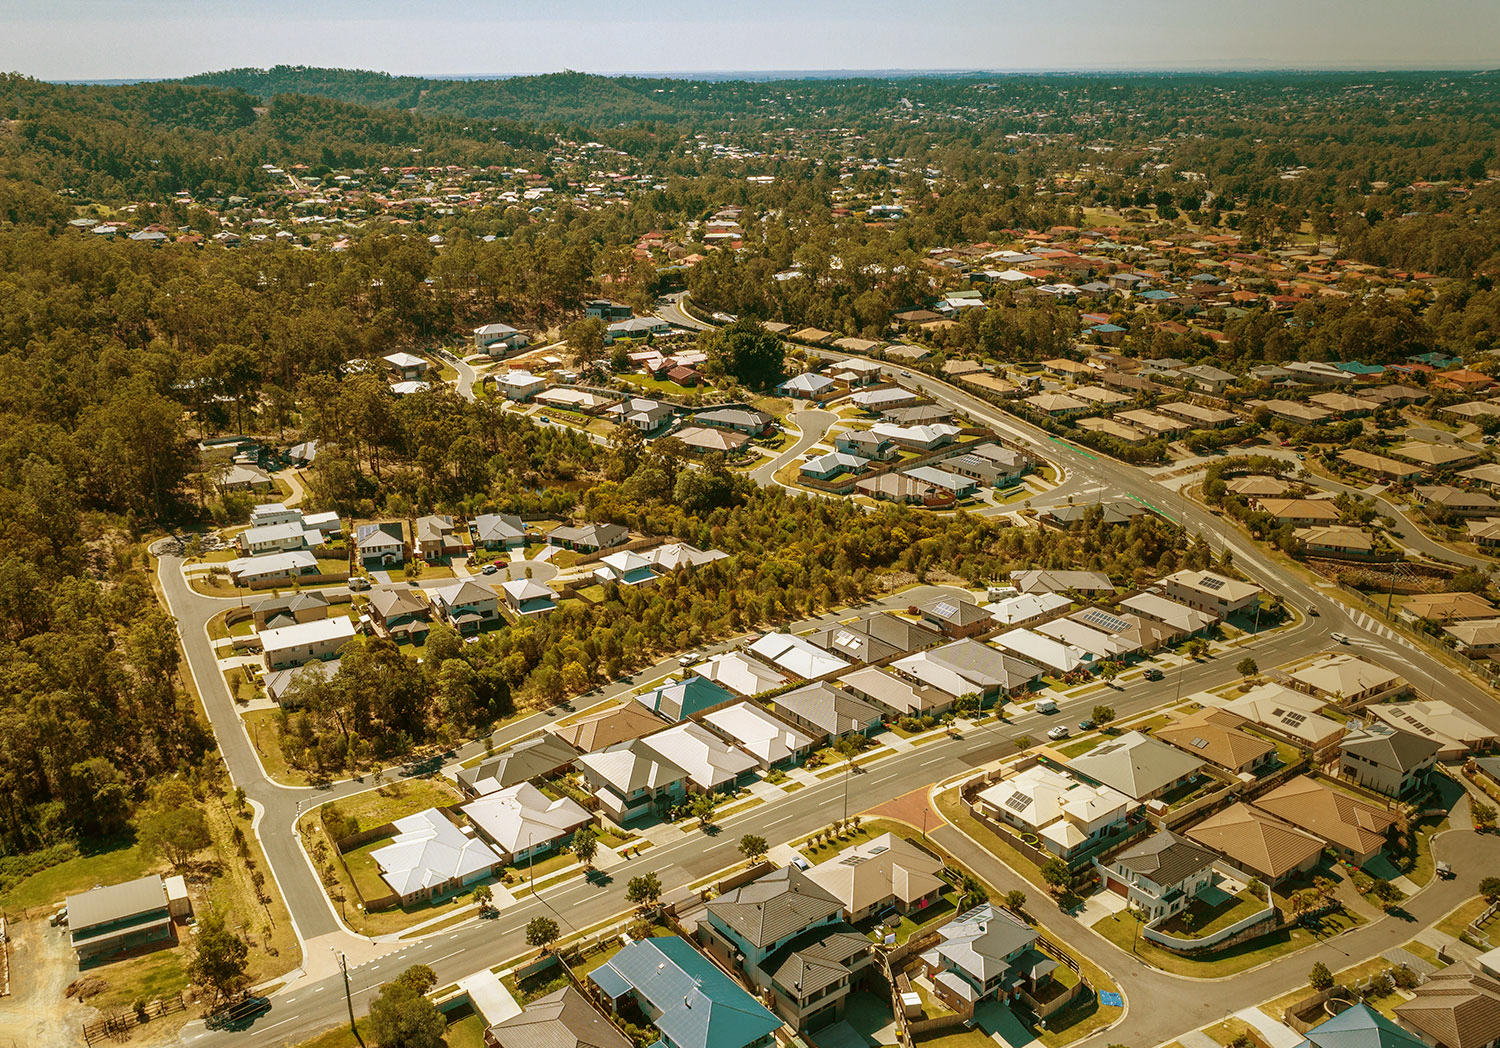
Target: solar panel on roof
(1113, 623)
(1211, 582)
(1295, 719)
(945, 610)
(1018, 802)
(1199, 742)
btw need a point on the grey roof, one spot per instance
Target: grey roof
(781, 903)
(564, 1019)
(951, 610)
(116, 902)
(390, 601)
(984, 666)
(1390, 747)
(292, 603)
(979, 940)
(1165, 858)
(699, 1006)
(876, 637)
(832, 709)
(1135, 764)
(1056, 581)
(816, 959)
(490, 527)
(541, 755)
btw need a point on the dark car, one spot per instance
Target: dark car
(1152, 674)
(1085, 725)
(240, 1014)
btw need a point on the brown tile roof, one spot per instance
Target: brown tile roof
(1211, 735)
(620, 724)
(1337, 817)
(1457, 1007)
(1253, 839)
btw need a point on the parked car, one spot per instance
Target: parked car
(1085, 725)
(1152, 674)
(359, 582)
(1059, 732)
(489, 569)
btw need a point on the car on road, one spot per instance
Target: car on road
(1085, 725)
(240, 1014)
(1340, 638)
(543, 418)
(1152, 674)
(1059, 732)
(688, 659)
(1312, 609)
(359, 582)
(906, 374)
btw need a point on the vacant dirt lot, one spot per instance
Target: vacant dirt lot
(41, 967)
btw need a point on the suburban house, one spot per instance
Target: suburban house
(538, 756)
(1456, 1007)
(521, 822)
(1057, 656)
(956, 618)
(498, 339)
(797, 656)
(1255, 842)
(293, 608)
(499, 531)
(984, 954)
(276, 538)
(1459, 734)
(110, 920)
(1214, 735)
(1138, 766)
(1456, 502)
(589, 538)
(685, 996)
(1067, 814)
(886, 874)
(1209, 592)
(625, 568)
(711, 763)
(519, 386)
(643, 414)
(606, 310)
(284, 686)
(674, 556)
(528, 597)
(1045, 581)
(631, 779)
(1336, 540)
(601, 730)
(896, 696)
(1353, 827)
(866, 445)
(466, 606)
(287, 646)
(968, 667)
(761, 734)
(1182, 619)
(1290, 715)
(438, 538)
(1447, 607)
(1026, 609)
(1386, 759)
(399, 612)
(876, 637)
(430, 857)
(741, 420)
(827, 713)
(406, 367)
(245, 478)
(1299, 513)
(680, 700)
(1360, 1027)
(1348, 679)
(701, 440)
(788, 937)
(832, 464)
(1477, 638)
(807, 386)
(381, 545)
(564, 1019)
(1160, 875)
(741, 673)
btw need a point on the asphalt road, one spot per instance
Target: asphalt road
(316, 1004)
(813, 424)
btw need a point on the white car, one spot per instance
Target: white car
(1059, 732)
(1340, 638)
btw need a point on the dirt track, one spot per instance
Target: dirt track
(37, 1012)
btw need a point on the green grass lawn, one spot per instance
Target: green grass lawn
(365, 872)
(1427, 953)
(48, 888)
(467, 1032)
(398, 800)
(1082, 746)
(260, 725)
(1121, 929)
(1208, 919)
(913, 923)
(1455, 923)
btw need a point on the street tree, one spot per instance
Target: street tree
(1320, 978)
(1489, 888)
(1246, 667)
(1015, 900)
(586, 845)
(484, 895)
(1484, 817)
(753, 848)
(703, 807)
(585, 340)
(541, 932)
(219, 957)
(1057, 874)
(1103, 715)
(403, 1017)
(643, 891)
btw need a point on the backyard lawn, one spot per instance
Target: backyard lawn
(1200, 920)
(49, 887)
(1122, 930)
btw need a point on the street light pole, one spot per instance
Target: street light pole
(348, 997)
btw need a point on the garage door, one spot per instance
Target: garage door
(1117, 886)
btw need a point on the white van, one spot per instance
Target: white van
(1044, 706)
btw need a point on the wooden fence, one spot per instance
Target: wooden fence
(121, 1025)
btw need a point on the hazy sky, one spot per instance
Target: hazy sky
(75, 39)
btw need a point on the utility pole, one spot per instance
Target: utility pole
(348, 997)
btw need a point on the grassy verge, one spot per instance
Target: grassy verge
(1455, 923)
(1123, 930)
(260, 726)
(952, 809)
